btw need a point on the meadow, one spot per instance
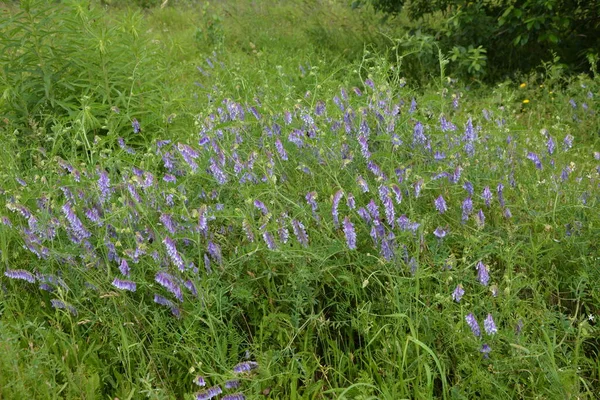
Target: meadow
(259, 200)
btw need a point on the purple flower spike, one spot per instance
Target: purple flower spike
(551, 145)
(173, 253)
(311, 200)
(350, 233)
(536, 160)
(472, 322)
(124, 267)
(245, 366)
(483, 274)
(499, 190)
(261, 206)
(20, 274)
(440, 205)
(199, 380)
(489, 325)
(487, 195)
(480, 218)
(467, 209)
(458, 293)
(300, 232)
(124, 285)
(135, 125)
(281, 150)
(209, 393)
(334, 207)
(234, 396)
(440, 232)
(485, 350)
(268, 238)
(232, 384)
(364, 147)
(168, 282)
(363, 184)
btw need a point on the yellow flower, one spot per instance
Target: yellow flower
(526, 101)
(522, 85)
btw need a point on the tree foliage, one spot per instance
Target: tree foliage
(517, 34)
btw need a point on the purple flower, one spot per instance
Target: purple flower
(467, 208)
(373, 209)
(311, 200)
(419, 137)
(173, 253)
(472, 322)
(77, 227)
(458, 293)
(485, 350)
(300, 232)
(261, 206)
(482, 273)
(568, 142)
(350, 233)
(268, 238)
(418, 184)
(210, 392)
(507, 213)
(397, 193)
(199, 380)
(468, 186)
(550, 145)
(234, 396)
(168, 281)
(480, 218)
(104, 186)
(215, 251)
(232, 384)
(499, 190)
(167, 222)
(440, 204)
(245, 366)
(364, 147)
(124, 267)
(350, 201)
(489, 325)
(363, 184)
(124, 285)
(20, 274)
(364, 214)
(487, 195)
(413, 106)
(281, 150)
(217, 173)
(135, 125)
(334, 207)
(189, 155)
(440, 232)
(536, 160)
(61, 305)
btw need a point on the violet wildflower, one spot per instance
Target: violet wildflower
(467, 209)
(440, 204)
(350, 233)
(483, 275)
(217, 173)
(519, 326)
(485, 350)
(397, 193)
(169, 282)
(207, 264)
(480, 218)
(248, 230)
(215, 251)
(568, 141)
(234, 396)
(124, 267)
(536, 160)
(93, 215)
(123, 146)
(232, 384)
(373, 210)
(300, 232)
(210, 392)
(173, 253)
(350, 201)
(189, 155)
(261, 206)
(77, 227)
(199, 380)
(487, 195)
(135, 125)
(551, 145)
(167, 222)
(169, 178)
(472, 322)
(572, 103)
(190, 285)
(468, 186)
(59, 304)
(124, 285)
(413, 106)
(458, 293)
(376, 170)
(419, 137)
(362, 183)
(413, 265)
(104, 186)
(311, 200)
(20, 274)
(281, 150)
(245, 366)
(268, 238)
(507, 213)
(202, 220)
(364, 214)
(364, 147)
(418, 184)
(489, 325)
(440, 232)
(337, 197)
(499, 190)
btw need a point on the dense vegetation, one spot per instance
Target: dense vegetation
(289, 201)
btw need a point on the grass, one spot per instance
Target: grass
(131, 266)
